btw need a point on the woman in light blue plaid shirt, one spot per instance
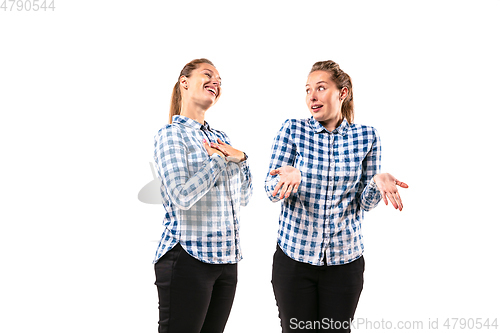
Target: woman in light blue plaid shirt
(204, 181)
(326, 172)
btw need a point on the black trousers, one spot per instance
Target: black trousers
(316, 298)
(193, 296)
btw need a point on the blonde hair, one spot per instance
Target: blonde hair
(176, 101)
(342, 80)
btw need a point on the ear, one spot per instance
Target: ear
(183, 80)
(343, 93)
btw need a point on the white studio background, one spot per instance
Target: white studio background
(84, 88)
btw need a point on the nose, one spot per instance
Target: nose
(312, 96)
(215, 80)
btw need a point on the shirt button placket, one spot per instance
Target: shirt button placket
(332, 147)
(328, 207)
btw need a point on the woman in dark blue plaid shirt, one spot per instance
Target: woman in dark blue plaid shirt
(204, 181)
(326, 171)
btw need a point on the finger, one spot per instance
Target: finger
(206, 146)
(274, 172)
(219, 148)
(289, 191)
(296, 188)
(284, 189)
(385, 198)
(401, 184)
(277, 188)
(391, 198)
(398, 197)
(221, 142)
(223, 150)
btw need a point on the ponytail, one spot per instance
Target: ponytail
(176, 101)
(342, 80)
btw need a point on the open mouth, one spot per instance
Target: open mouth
(316, 107)
(211, 90)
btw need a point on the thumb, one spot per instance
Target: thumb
(274, 172)
(403, 185)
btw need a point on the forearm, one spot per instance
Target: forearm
(269, 185)
(246, 182)
(370, 197)
(184, 191)
(283, 153)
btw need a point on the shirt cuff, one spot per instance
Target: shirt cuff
(372, 186)
(219, 160)
(244, 162)
(372, 193)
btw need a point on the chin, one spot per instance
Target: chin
(317, 117)
(208, 103)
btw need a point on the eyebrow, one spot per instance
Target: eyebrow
(211, 71)
(318, 82)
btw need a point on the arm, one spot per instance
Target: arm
(246, 182)
(282, 158)
(240, 158)
(172, 165)
(370, 195)
(380, 185)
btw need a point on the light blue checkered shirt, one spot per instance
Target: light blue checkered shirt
(201, 194)
(337, 168)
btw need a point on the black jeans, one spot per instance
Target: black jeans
(316, 298)
(193, 296)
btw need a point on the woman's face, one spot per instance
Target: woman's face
(202, 86)
(324, 99)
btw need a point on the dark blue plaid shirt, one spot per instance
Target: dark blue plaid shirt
(337, 168)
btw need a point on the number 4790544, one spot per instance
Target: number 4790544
(27, 5)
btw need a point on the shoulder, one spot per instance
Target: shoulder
(169, 128)
(294, 124)
(169, 132)
(364, 131)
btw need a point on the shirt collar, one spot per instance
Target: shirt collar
(186, 121)
(318, 128)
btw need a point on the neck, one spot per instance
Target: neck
(193, 111)
(332, 124)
